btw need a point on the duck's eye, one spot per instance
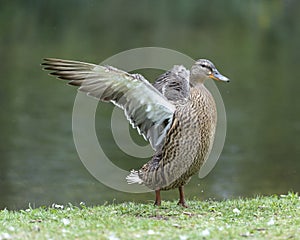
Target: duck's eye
(207, 67)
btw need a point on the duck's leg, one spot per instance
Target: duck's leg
(181, 197)
(157, 198)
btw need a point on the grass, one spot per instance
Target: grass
(273, 217)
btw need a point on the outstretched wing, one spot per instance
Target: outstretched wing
(145, 107)
(174, 84)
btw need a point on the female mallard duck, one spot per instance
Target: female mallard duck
(177, 115)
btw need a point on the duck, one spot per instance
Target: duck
(176, 114)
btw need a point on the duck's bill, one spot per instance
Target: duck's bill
(219, 77)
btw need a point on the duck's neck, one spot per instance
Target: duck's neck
(197, 81)
(198, 85)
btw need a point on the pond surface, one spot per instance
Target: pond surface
(256, 44)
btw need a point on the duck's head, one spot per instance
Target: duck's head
(204, 69)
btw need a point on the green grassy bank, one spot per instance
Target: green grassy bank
(273, 217)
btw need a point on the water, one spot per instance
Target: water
(254, 43)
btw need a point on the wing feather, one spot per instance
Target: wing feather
(145, 107)
(174, 84)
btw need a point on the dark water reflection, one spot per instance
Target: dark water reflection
(255, 43)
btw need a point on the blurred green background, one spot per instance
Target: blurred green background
(255, 43)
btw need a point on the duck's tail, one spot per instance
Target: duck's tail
(134, 177)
